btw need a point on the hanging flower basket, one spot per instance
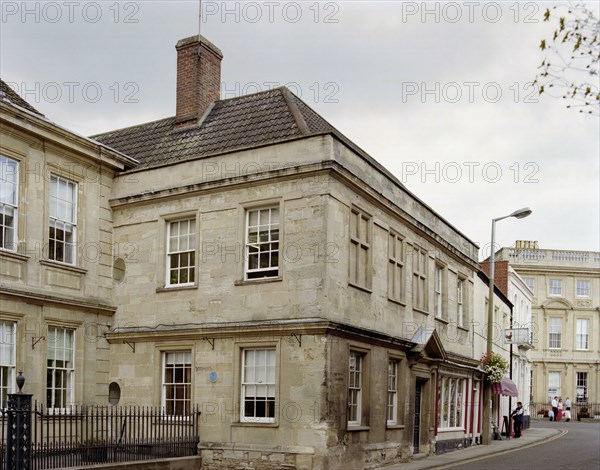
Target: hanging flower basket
(495, 366)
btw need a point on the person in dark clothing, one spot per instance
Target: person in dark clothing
(517, 416)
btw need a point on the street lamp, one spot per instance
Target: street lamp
(487, 396)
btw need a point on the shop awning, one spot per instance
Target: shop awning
(505, 387)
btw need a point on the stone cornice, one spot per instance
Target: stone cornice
(40, 298)
(41, 127)
(259, 330)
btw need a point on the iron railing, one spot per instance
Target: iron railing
(540, 409)
(88, 435)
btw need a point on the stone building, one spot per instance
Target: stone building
(56, 264)
(566, 304)
(319, 312)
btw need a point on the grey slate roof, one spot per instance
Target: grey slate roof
(243, 122)
(9, 94)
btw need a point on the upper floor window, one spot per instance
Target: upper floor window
(460, 290)
(439, 290)
(395, 267)
(582, 333)
(258, 385)
(583, 288)
(530, 283)
(9, 194)
(63, 219)
(555, 287)
(262, 243)
(554, 333)
(60, 367)
(177, 382)
(419, 278)
(181, 252)
(360, 244)
(7, 360)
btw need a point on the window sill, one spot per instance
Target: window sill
(14, 255)
(464, 328)
(176, 288)
(262, 280)
(249, 424)
(395, 426)
(455, 429)
(420, 310)
(364, 289)
(356, 428)
(442, 320)
(65, 266)
(397, 302)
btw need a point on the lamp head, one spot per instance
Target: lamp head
(521, 213)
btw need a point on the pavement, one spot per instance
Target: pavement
(529, 438)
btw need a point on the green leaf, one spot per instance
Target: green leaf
(547, 14)
(543, 45)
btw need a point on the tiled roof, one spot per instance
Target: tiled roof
(9, 94)
(243, 122)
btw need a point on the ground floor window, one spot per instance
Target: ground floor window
(553, 384)
(258, 385)
(451, 402)
(355, 386)
(177, 382)
(7, 360)
(392, 403)
(60, 367)
(581, 387)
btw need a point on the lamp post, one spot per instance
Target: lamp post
(487, 395)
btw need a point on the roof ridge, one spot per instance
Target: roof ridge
(295, 111)
(131, 127)
(270, 90)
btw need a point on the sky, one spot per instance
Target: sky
(440, 93)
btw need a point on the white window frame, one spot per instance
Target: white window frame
(186, 247)
(250, 384)
(554, 383)
(582, 333)
(555, 287)
(56, 371)
(9, 186)
(554, 342)
(460, 303)
(530, 283)
(392, 392)
(420, 266)
(355, 387)
(438, 282)
(360, 249)
(177, 361)
(451, 403)
(581, 382)
(268, 249)
(8, 359)
(583, 287)
(395, 266)
(56, 220)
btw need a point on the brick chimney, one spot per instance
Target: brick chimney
(198, 78)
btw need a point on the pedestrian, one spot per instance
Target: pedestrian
(568, 409)
(560, 410)
(554, 409)
(517, 416)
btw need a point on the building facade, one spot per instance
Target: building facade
(565, 287)
(56, 263)
(320, 313)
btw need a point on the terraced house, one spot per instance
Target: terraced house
(318, 312)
